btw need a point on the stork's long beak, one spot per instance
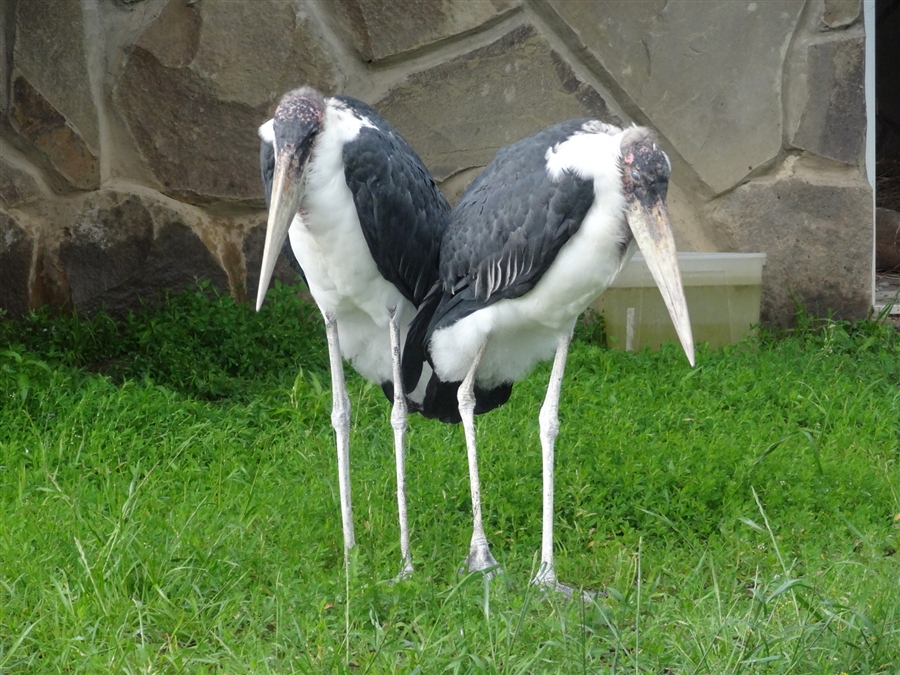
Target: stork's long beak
(286, 193)
(650, 225)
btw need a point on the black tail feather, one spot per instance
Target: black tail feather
(440, 400)
(415, 352)
(488, 399)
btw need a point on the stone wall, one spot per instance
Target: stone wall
(129, 155)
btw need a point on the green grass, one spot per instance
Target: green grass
(168, 504)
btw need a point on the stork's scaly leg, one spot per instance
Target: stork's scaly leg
(549, 422)
(340, 420)
(480, 557)
(398, 422)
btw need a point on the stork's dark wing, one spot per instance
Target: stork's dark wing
(401, 210)
(509, 226)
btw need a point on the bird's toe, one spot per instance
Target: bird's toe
(481, 560)
(406, 571)
(553, 586)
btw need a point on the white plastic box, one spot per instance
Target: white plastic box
(723, 293)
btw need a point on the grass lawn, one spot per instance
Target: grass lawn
(168, 504)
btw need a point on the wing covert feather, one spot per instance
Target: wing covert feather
(401, 210)
(509, 226)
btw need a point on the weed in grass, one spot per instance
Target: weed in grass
(168, 504)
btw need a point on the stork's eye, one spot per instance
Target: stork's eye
(635, 175)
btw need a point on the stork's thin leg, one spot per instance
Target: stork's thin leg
(480, 557)
(398, 422)
(549, 422)
(340, 420)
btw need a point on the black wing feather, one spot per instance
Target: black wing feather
(402, 212)
(509, 227)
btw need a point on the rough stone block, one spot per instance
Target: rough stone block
(198, 148)
(176, 261)
(105, 245)
(50, 53)
(111, 257)
(841, 13)
(17, 186)
(707, 74)
(255, 62)
(173, 38)
(817, 235)
(201, 79)
(833, 122)
(16, 256)
(62, 148)
(51, 102)
(887, 240)
(7, 43)
(458, 114)
(384, 28)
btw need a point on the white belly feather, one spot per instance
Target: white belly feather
(329, 245)
(526, 330)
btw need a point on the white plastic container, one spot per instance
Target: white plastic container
(722, 290)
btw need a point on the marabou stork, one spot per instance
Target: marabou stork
(365, 220)
(537, 236)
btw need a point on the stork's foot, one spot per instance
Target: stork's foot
(480, 559)
(546, 580)
(406, 571)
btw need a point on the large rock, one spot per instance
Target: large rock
(841, 13)
(199, 149)
(177, 260)
(384, 28)
(7, 43)
(255, 62)
(689, 226)
(887, 79)
(815, 228)
(105, 245)
(17, 185)
(833, 121)
(122, 249)
(51, 102)
(887, 240)
(16, 260)
(202, 78)
(64, 154)
(707, 74)
(458, 114)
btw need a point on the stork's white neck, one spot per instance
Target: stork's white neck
(267, 131)
(341, 123)
(593, 154)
